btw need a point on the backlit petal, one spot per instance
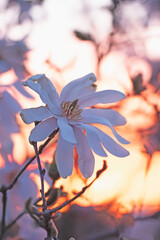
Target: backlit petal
(106, 96)
(34, 86)
(111, 115)
(86, 159)
(78, 88)
(43, 130)
(64, 157)
(47, 86)
(44, 87)
(66, 130)
(93, 139)
(111, 146)
(35, 114)
(90, 118)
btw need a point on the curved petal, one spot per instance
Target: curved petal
(43, 130)
(93, 139)
(78, 87)
(30, 83)
(86, 159)
(47, 86)
(106, 96)
(44, 87)
(90, 118)
(111, 146)
(64, 157)
(35, 114)
(114, 117)
(66, 130)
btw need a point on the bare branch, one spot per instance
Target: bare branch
(4, 204)
(99, 172)
(10, 186)
(44, 207)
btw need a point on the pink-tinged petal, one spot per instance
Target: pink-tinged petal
(78, 87)
(64, 157)
(111, 115)
(35, 114)
(106, 96)
(90, 118)
(86, 159)
(111, 146)
(44, 87)
(43, 130)
(93, 139)
(66, 130)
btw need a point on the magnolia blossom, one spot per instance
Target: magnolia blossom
(70, 113)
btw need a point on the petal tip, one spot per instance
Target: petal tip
(125, 154)
(36, 77)
(25, 83)
(23, 116)
(123, 96)
(92, 77)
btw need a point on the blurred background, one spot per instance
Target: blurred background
(118, 40)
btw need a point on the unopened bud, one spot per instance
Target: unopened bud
(52, 170)
(53, 196)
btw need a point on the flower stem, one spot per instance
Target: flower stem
(41, 172)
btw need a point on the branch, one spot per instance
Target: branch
(15, 220)
(10, 186)
(41, 172)
(4, 204)
(99, 172)
(4, 189)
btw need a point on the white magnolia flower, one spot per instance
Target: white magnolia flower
(70, 113)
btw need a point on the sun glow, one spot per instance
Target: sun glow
(129, 184)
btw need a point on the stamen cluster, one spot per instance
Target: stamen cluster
(71, 110)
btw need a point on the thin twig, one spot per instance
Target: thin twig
(4, 189)
(49, 213)
(44, 206)
(4, 203)
(10, 186)
(15, 220)
(99, 172)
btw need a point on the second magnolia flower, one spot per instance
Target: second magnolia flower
(70, 113)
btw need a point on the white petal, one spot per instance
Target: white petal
(86, 159)
(90, 118)
(64, 157)
(34, 86)
(111, 145)
(111, 115)
(106, 96)
(51, 104)
(75, 89)
(43, 130)
(44, 87)
(35, 114)
(93, 139)
(66, 130)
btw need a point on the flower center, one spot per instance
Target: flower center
(71, 110)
